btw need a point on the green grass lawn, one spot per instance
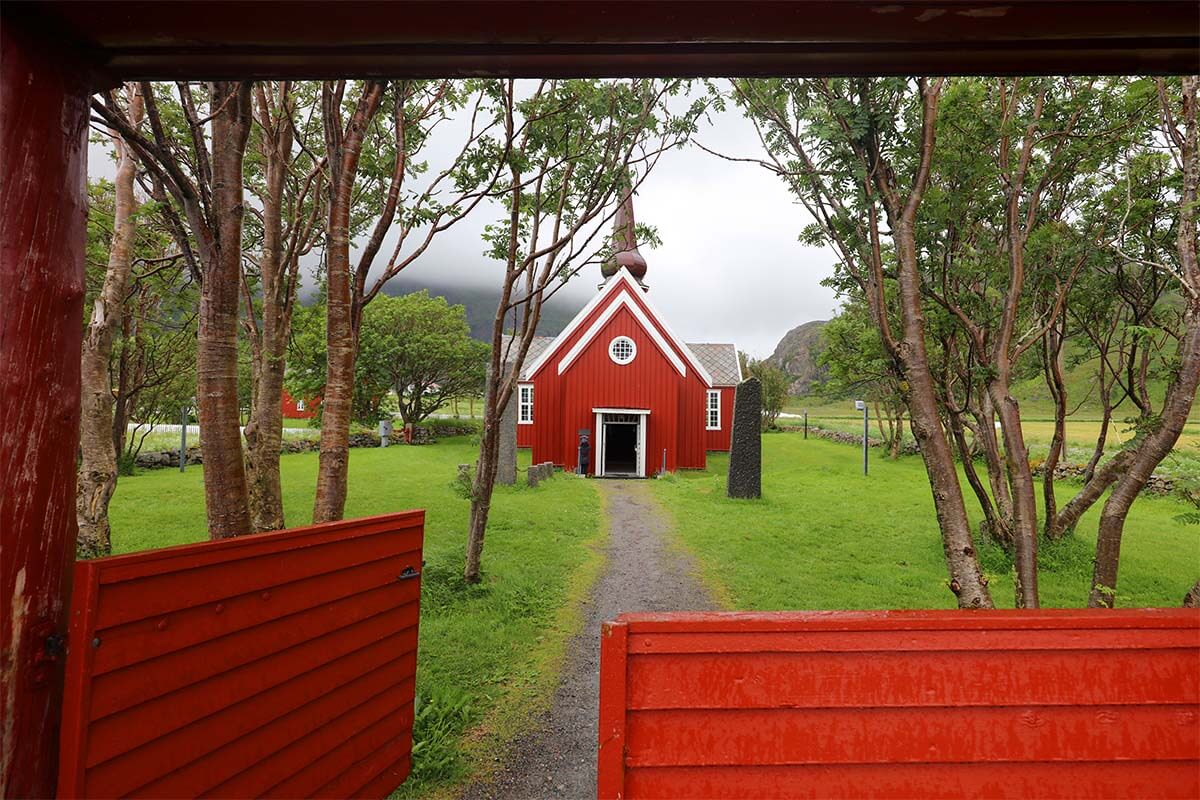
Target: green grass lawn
(489, 654)
(826, 537)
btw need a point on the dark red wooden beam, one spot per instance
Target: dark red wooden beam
(43, 210)
(316, 38)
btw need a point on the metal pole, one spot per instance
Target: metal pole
(866, 430)
(806, 423)
(183, 419)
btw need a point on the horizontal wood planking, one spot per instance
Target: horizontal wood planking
(845, 704)
(853, 679)
(276, 663)
(1108, 780)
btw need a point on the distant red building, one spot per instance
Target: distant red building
(299, 409)
(617, 370)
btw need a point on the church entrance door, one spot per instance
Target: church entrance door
(622, 445)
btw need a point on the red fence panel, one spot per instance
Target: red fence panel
(1052, 703)
(279, 664)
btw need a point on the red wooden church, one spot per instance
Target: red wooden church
(647, 400)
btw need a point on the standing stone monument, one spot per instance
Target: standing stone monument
(506, 473)
(745, 447)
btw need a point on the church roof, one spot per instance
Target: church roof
(721, 360)
(536, 348)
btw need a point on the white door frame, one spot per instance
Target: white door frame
(642, 414)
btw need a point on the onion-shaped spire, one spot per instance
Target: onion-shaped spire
(624, 240)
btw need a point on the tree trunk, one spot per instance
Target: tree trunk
(1148, 455)
(342, 150)
(1020, 477)
(495, 401)
(485, 481)
(985, 438)
(1181, 393)
(264, 431)
(966, 577)
(337, 402)
(264, 437)
(994, 525)
(225, 492)
(1052, 354)
(120, 420)
(1092, 491)
(97, 477)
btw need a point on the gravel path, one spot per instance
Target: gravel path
(643, 573)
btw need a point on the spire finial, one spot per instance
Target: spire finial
(624, 239)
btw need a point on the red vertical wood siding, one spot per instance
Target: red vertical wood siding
(43, 212)
(563, 403)
(719, 440)
(1058, 703)
(291, 411)
(279, 664)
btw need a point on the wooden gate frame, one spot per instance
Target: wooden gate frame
(338, 599)
(57, 54)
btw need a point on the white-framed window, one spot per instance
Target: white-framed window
(525, 404)
(713, 410)
(622, 350)
(299, 405)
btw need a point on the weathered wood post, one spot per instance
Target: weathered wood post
(745, 450)
(43, 215)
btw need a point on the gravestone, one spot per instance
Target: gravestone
(745, 447)
(506, 472)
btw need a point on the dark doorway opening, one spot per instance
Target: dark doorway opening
(620, 448)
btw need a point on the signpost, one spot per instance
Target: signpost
(861, 405)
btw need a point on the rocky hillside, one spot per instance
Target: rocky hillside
(796, 354)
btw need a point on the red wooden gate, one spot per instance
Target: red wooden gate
(279, 664)
(901, 704)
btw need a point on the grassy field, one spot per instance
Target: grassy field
(825, 537)
(1081, 431)
(490, 654)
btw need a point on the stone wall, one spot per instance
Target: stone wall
(422, 434)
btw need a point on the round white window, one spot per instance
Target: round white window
(622, 349)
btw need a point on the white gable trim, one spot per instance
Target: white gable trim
(624, 301)
(574, 324)
(622, 277)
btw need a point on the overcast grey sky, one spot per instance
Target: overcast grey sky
(730, 268)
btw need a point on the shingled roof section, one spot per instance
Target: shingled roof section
(721, 361)
(536, 348)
